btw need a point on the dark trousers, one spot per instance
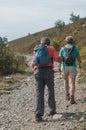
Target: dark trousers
(44, 76)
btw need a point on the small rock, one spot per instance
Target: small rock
(8, 78)
(82, 119)
(56, 116)
(62, 123)
(1, 128)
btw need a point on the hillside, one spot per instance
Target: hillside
(77, 29)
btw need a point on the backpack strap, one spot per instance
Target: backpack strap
(71, 50)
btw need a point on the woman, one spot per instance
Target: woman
(69, 70)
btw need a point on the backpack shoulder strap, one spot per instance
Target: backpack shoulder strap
(72, 49)
(36, 47)
(66, 50)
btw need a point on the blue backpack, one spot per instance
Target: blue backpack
(41, 56)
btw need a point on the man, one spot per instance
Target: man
(44, 75)
(69, 71)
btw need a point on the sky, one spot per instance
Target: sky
(18, 18)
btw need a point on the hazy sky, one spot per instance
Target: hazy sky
(20, 17)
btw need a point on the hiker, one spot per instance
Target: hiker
(68, 67)
(44, 75)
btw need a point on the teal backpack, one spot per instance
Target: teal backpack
(41, 56)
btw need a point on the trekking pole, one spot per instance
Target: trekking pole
(60, 79)
(67, 100)
(59, 84)
(60, 88)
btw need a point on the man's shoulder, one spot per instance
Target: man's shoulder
(50, 47)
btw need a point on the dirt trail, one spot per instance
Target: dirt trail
(17, 108)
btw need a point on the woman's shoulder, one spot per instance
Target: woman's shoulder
(76, 48)
(62, 48)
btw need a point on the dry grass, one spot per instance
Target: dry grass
(6, 85)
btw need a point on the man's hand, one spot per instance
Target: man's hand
(79, 64)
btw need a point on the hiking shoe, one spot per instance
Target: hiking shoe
(51, 113)
(38, 118)
(68, 97)
(72, 101)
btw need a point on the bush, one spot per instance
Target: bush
(6, 59)
(10, 63)
(59, 24)
(74, 18)
(19, 63)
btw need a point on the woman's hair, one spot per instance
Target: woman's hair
(45, 40)
(69, 40)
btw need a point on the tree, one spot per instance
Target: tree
(74, 18)
(9, 62)
(6, 57)
(59, 24)
(3, 40)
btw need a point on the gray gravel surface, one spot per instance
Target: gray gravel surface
(17, 108)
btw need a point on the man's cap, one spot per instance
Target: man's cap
(69, 39)
(45, 40)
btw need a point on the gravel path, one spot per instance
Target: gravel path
(17, 108)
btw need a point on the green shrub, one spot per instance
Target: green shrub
(59, 24)
(6, 59)
(9, 62)
(19, 63)
(74, 18)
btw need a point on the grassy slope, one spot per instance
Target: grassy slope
(25, 45)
